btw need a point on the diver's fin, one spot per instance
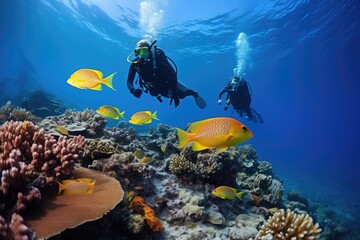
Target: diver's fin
(257, 115)
(200, 102)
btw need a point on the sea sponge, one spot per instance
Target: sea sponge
(288, 226)
(150, 217)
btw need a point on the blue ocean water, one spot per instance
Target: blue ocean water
(301, 60)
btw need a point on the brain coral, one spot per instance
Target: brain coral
(287, 226)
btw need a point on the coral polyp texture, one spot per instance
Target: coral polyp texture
(288, 226)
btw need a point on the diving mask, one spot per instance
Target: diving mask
(142, 52)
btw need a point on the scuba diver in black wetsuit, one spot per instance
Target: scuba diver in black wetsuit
(157, 76)
(239, 96)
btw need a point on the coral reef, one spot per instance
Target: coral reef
(16, 229)
(31, 160)
(149, 214)
(86, 123)
(289, 225)
(201, 165)
(175, 186)
(101, 148)
(10, 112)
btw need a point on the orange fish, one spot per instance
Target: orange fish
(77, 186)
(220, 133)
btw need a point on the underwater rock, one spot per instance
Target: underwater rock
(215, 218)
(42, 104)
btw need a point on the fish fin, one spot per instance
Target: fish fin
(184, 137)
(154, 116)
(117, 117)
(239, 195)
(97, 87)
(64, 182)
(85, 180)
(108, 81)
(61, 187)
(149, 121)
(100, 74)
(220, 149)
(195, 125)
(198, 147)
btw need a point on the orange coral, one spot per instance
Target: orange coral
(154, 222)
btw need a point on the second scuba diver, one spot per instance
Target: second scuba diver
(239, 96)
(157, 76)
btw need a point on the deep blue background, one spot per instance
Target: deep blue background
(305, 74)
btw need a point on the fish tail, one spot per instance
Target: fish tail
(154, 116)
(61, 187)
(184, 137)
(108, 81)
(239, 195)
(122, 114)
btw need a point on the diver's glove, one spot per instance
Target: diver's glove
(219, 101)
(136, 92)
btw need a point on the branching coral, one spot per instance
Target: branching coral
(289, 226)
(202, 165)
(179, 164)
(15, 229)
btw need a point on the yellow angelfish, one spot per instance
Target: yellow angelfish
(144, 117)
(90, 79)
(226, 192)
(77, 186)
(220, 133)
(110, 112)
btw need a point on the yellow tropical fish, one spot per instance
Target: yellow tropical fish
(146, 160)
(163, 148)
(139, 154)
(226, 192)
(220, 133)
(110, 112)
(90, 79)
(130, 195)
(144, 117)
(62, 130)
(77, 186)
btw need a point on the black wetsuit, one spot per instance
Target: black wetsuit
(159, 80)
(240, 98)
